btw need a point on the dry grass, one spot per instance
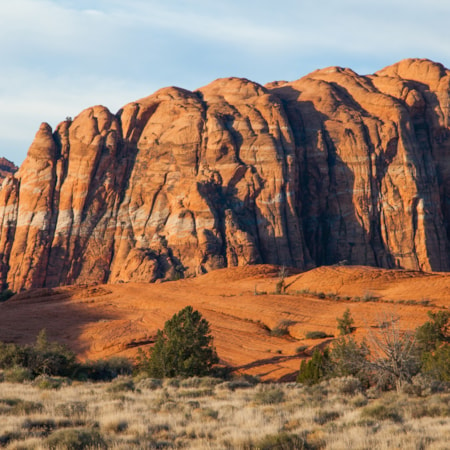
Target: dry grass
(210, 414)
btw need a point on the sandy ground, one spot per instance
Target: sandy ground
(240, 304)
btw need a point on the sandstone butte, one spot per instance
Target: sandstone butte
(332, 167)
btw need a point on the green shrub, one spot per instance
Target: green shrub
(193, 404)
(317, 335)
(18, 374)
(301, 349)
(269, 396)
(170, 382)
(149, 383)
(191, 382)
(345, 323)
(433, 332)
(76, 439)
(323, 417)
(116, 426)
(437, 363)
(282, 328)
(46, 382)
(105, 369)
(238, 383)
(348, 385)
(6, 294)
(314, 370)
(359, 400)
(50, 358)
(12, 355)
(369, 297)
(121, 385)
(379, 411)
(9, 436)
(183, 348)
(209, 413)
(71, 409)
(195, 393)
(348, 358)
(42, 358)
(419, 410)
(43, 425)
(17, 406)
(282, 441)
(209, 382)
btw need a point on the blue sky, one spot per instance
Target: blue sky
(58, 57)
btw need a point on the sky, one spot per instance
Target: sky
(58, 57)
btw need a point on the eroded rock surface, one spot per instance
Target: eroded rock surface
(7, 168)
(334, 166)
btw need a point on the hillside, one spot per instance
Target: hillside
(105, 320)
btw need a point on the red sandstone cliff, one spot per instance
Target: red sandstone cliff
(7, 168)
(334, 166)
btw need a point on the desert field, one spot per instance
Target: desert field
(207, 413)
(256, 331)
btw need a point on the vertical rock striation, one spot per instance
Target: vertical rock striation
(331, 167)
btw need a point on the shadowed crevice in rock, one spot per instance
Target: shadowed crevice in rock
(332, 228)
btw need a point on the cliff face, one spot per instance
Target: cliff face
(7, 168)
(331, 167)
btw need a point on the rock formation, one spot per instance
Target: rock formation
(7, 168)
(334, 166)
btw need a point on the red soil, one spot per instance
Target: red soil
(106, 320)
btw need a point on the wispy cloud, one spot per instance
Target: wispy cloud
(36, 97)
(60, 56)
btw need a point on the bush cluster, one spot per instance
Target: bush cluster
(76, 439)
(45, 359)
(104, 369)
(397, 356)
(433, 341)
(42, 358)
(182, 349)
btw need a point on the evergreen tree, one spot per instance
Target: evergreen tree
(436, 364)
(345, 323)
(435, 331)
(183, 348)
(314, 370)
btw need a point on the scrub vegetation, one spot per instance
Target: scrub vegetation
(392, 391)
(202, 413)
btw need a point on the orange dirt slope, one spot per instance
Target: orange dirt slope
(240, 304)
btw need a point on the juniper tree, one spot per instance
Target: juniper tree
(183, 348)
